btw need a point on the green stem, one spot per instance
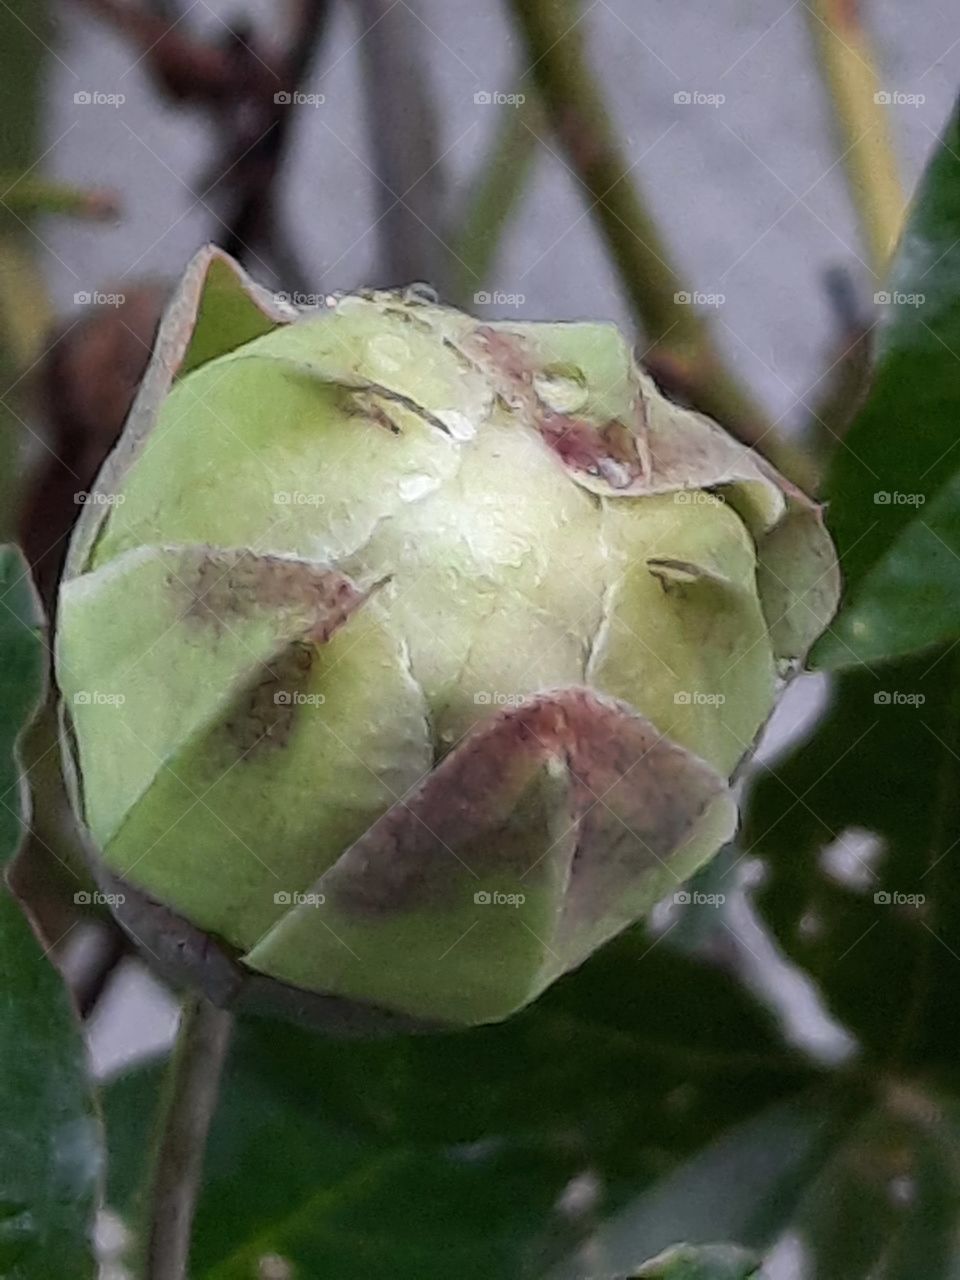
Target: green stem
(848, 67)
(191, 1090)
(677, 333)
(495, 195)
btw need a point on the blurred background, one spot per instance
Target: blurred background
(721, 178)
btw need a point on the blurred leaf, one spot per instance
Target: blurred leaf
(494, 196)
(22, 665)
(642, 1047)
(858, 1186)
(26, 37)
(281, 1179)
(24, 314)
(49, 1132)
(744, 1187)
(451, 1151)
(26, 196)
(859, 828)
(894, 487)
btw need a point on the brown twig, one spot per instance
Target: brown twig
(247, 91)
(192, 1088)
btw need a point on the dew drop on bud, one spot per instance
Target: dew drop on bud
(564, 390)
(420, 291)
(417, 485)
(387, 353)
(457, 423)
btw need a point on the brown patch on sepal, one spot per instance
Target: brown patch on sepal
(225, 585)
(631, 797)
(609, 451)
(263, 717)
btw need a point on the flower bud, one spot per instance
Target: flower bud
(404, 658)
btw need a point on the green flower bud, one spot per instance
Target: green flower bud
(406, 659)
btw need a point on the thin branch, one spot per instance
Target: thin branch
(495, 195)
(404, 144)
(682, 354)
(848, 67)
(192, 1090)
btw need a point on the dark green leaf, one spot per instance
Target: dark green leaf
(452, 1150)
(21, 684)
(858, 1187)
(742, 1187)
(882, 769)
(894, 487)
(49, 1133)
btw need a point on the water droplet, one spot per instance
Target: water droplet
(386, 353)
(420, 291)
(417, 485)
(562, 388)
(457, 423)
